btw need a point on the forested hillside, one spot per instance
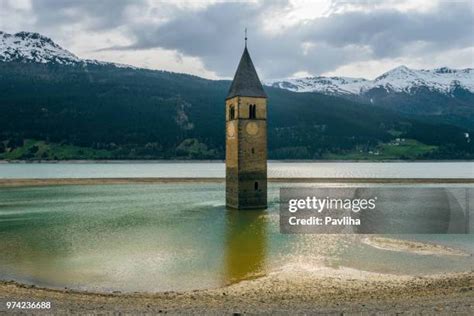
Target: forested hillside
(101, 111)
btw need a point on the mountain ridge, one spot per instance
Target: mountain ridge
(399, 79)
(34, 47)
(66, 108)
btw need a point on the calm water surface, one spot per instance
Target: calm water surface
(216, 169)
(161, 237)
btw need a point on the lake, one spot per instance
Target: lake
(217, 169)
(180, 236)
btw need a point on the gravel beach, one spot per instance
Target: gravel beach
(301, 291)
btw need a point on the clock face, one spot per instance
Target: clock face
(231, 129)
(251, 128)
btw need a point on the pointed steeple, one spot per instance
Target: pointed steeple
(246, 82)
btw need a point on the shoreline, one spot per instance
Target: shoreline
(320, 290)
(119, 161)
(7, 182)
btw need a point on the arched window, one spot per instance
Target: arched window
(232, 113)
(252, 111)
(255, 185)
(253, 150)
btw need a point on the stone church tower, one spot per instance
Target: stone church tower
(246, 139)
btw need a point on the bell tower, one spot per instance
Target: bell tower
(246, 139)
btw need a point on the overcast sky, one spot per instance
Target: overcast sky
(286, 38)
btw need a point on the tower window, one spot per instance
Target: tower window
(253, 150)
(232, 113)
(255, 185)
(252, 111)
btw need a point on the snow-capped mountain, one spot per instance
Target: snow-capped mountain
(327, 85)
(33, 47)
(400, 79)
(28, 47)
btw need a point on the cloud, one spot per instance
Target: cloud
(285, 37)
(92, 15)
(389, 32)
(322, 44)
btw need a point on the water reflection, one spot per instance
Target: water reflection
(246, 245)
(162, 237)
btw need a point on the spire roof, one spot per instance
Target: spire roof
(246, 82)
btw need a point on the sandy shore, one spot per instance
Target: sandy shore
(408, 246)
(310, 291)
(89, 181)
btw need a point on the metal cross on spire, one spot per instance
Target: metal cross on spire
(245, 37)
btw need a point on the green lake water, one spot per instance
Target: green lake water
(159, 237)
